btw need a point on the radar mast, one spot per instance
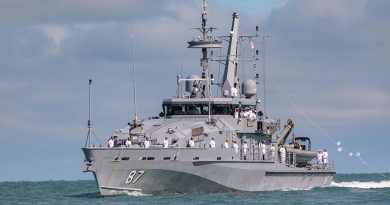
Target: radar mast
(206, 41)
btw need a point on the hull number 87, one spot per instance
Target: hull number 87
(133, 176)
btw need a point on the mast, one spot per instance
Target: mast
(230, 74)
(206, 41)
(204, 60)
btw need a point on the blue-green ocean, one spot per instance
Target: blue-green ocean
(345, 189)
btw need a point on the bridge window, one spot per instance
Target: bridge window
(197, 109)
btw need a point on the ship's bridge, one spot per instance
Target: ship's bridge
(200, 106)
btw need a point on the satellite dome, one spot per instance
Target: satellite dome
(249, 88)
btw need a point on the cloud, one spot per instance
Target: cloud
(57, 34)
(330, 56)
(49, 12)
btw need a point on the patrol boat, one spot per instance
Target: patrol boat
(207, 143)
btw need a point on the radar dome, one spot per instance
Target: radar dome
(249, 88)
(190, 83)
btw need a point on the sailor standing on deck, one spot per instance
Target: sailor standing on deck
(146, 143)
(282, 151)
(234, 91)
(245, 148)
(252, 115)
(212, 143)
(235, 146)
(245, 113)
(319, 159)
(165, 143)
(237, 113)
(111, 143)
(191, 142)
(262, 150)
(128, 142)
(226, 144)
(325, 157)
(272, 152)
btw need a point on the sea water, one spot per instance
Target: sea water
(345, 189)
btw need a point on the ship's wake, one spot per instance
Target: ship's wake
(362, 185)
(297, 189)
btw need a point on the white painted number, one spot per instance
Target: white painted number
(140, 173)
(132, 175)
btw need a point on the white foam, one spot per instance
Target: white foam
(136, 193)
(362, 185)
(129, 193)
(297, 189)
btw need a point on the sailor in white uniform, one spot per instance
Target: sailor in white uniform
(191, 142)
(282, 151)
(262, 150)
(128, 142)
(212, 143)
(246, 112)
(272, 152)
(165, 143)
(235, 146)
(319, 159)
(111, 143)
(325, 157)
(147, 143)
(252, 115)
(234, 91)
(236, 113)
(245, 148)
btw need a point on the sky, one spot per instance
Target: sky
(327, 68)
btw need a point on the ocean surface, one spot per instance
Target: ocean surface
(345, 189)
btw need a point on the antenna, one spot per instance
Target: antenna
(209, 80)
(264, 74)
(181, 75)
(88, 140)
(263, 38)
(134, 84)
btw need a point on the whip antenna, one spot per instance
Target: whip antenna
(134, 84)
(90, 131)
(88, 140)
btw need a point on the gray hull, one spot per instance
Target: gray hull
(187, 176)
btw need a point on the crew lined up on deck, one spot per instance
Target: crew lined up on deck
(247, 113)
(265, 152)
